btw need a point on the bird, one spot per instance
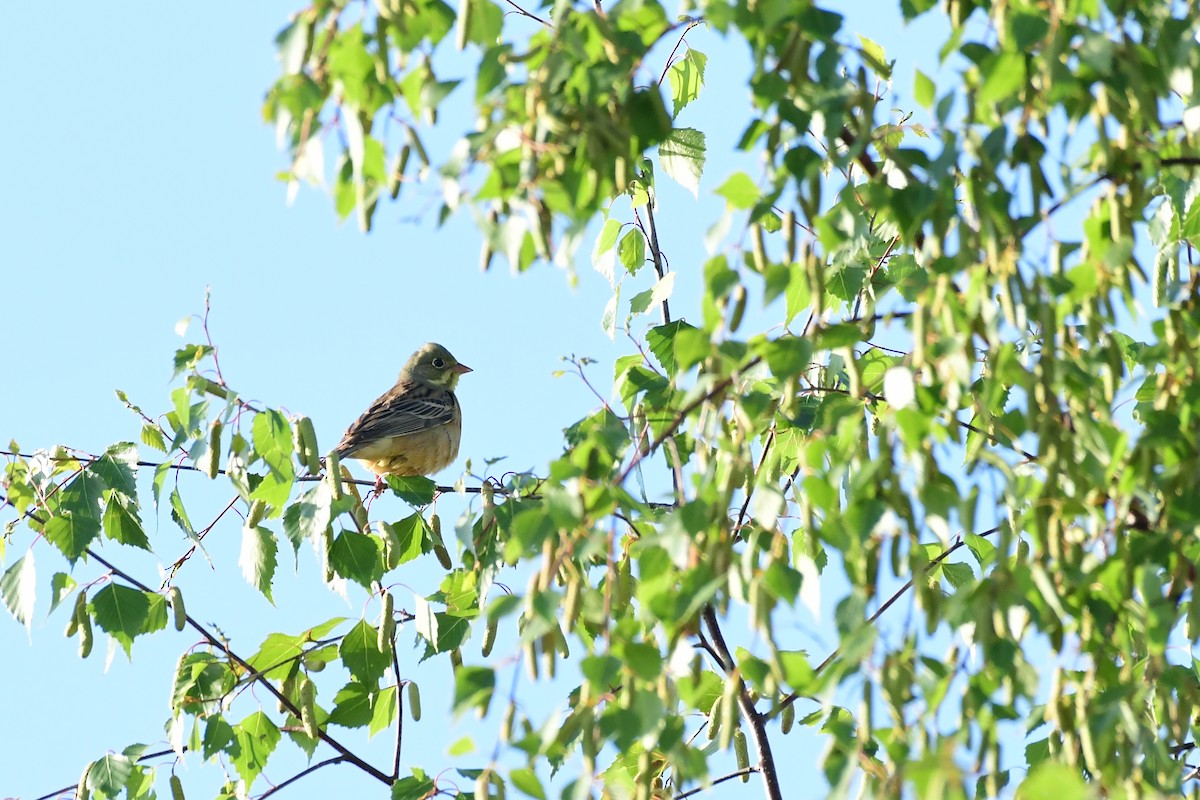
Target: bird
(413, 428)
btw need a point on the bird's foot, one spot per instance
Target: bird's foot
(376, 491)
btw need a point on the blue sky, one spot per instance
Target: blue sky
(137, 172)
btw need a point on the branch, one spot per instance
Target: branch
(793, 697)
(691, 23)
(140, 759)
(90, 459)
(656, 254)
(179, 562)
(399, 709)
(756, 721)
(717, 389)
(301, 774)
(525, 13)
(213, 641)
(722, 779)
(991, 437)
(741, 517)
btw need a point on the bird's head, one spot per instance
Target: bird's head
(434, 364)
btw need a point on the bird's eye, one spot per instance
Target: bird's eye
(439, 363)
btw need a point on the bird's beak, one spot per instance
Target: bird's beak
(462, 369)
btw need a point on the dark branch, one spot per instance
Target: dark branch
(213, 641)
(756, 721)
(89, 459)
(301, 774)
(722, 779)
(525, 13)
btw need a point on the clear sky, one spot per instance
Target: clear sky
(135, 171)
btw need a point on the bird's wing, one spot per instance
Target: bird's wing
(400, 412)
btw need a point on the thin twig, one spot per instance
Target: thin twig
(399, 709)
(179, 562)
(960, 543)
(717, 389)
(525, 13)
(91, 459)
(691, 23)
(722, 779)
(741, 517)
(301, 774)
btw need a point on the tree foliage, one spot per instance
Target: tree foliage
(971, 390)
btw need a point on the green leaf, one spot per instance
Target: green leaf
(121, 523)
(189, 357)
(526, 780)
(959, 575)
(682, 156)
(692, 346)
(383, 711)
(1003, 77)
(473, 687)
(358, 557)
(258, 558)
(643, 659)
(121, 612)
(218, 735)
(464, 746)
(416, 490)
(700, 694)
(838, 335)
(739, 191)
(152, 437)
(272, 434)
(687, 78)
(875, 57)
(787, 356)
(910, 278)
(923, 89)
(117, 468)
(797, 670)
(308, 517)
(351, 706)
(361, 654)
(408, 539)
(277, 655)
(847, 282)
(19, 590)
(1049, 779)
(256, 738)
(71, 533)
(110, 774)
(61, 586)
(983, 550)
(782, 581)
(602, 258)
(653, 297)
(632, 250)
(662, 343)
(415, 787)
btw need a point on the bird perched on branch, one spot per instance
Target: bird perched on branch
(413, 428)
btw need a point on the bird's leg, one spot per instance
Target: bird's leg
(376, 491)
